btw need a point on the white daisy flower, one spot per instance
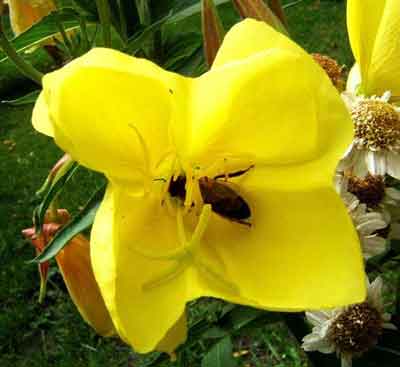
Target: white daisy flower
(349, 331)
(370, 190)
(368, 223)
(376, 145)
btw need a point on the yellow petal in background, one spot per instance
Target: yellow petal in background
(41, 118)
(25, 13)
(375, 40)
(250, 37)
(107, 108)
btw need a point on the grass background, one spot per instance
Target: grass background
(53, 334)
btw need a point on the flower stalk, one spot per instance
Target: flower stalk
(213, 31)
(103, 9)
(25, 68)
(276, 7)
(259, 10)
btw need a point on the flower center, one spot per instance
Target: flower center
(370, 190)
(377, 125)
(357, 329)
(332, 68)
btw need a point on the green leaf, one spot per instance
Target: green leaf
(29, 98)
(78, 224)
(220, 355)
(44, 30)
(214, 332)
(40, 211)
(137, 40)
(240, 316)
(192, 10)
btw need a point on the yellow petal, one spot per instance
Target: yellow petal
(25, 13)
(373, 30)
(76, 269)
(278, 107)
(40, 117)
(302, 251)
(174, 337)
(146, 296)
(123, 225)
(250, 37)
(106, 109)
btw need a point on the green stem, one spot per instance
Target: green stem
(27, 69)
(122, 22)
(84, 33)
(43, 286)
(64, 35)
(104, 14)
(144, 12)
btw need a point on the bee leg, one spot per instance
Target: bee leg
(248, 224)
(234, 174)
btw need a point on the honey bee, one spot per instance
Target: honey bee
(223, 199)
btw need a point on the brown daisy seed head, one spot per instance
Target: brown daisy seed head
(370, 190)
(332, 68)
(376, 125)
(356, 330)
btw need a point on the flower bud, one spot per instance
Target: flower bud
(25, 13)
(76, 269)
(259, 10)
(58, 170)
(213, 31)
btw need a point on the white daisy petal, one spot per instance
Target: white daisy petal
(370, 225)
(360, 166)
(392, 193)
(393, 165)
(373, 246)
(313, 342)
(375, 294)
(389, 326)
(386, 96)
(376, 162)
(318, 317)
(349, 99)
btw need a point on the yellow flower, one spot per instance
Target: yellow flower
(25, 13)
(267, 112)
(373, 28)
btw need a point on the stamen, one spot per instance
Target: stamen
(206, 269)
(166, 276)
(201, 225)
(190, 180)
(187, 255)
(181, 227)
